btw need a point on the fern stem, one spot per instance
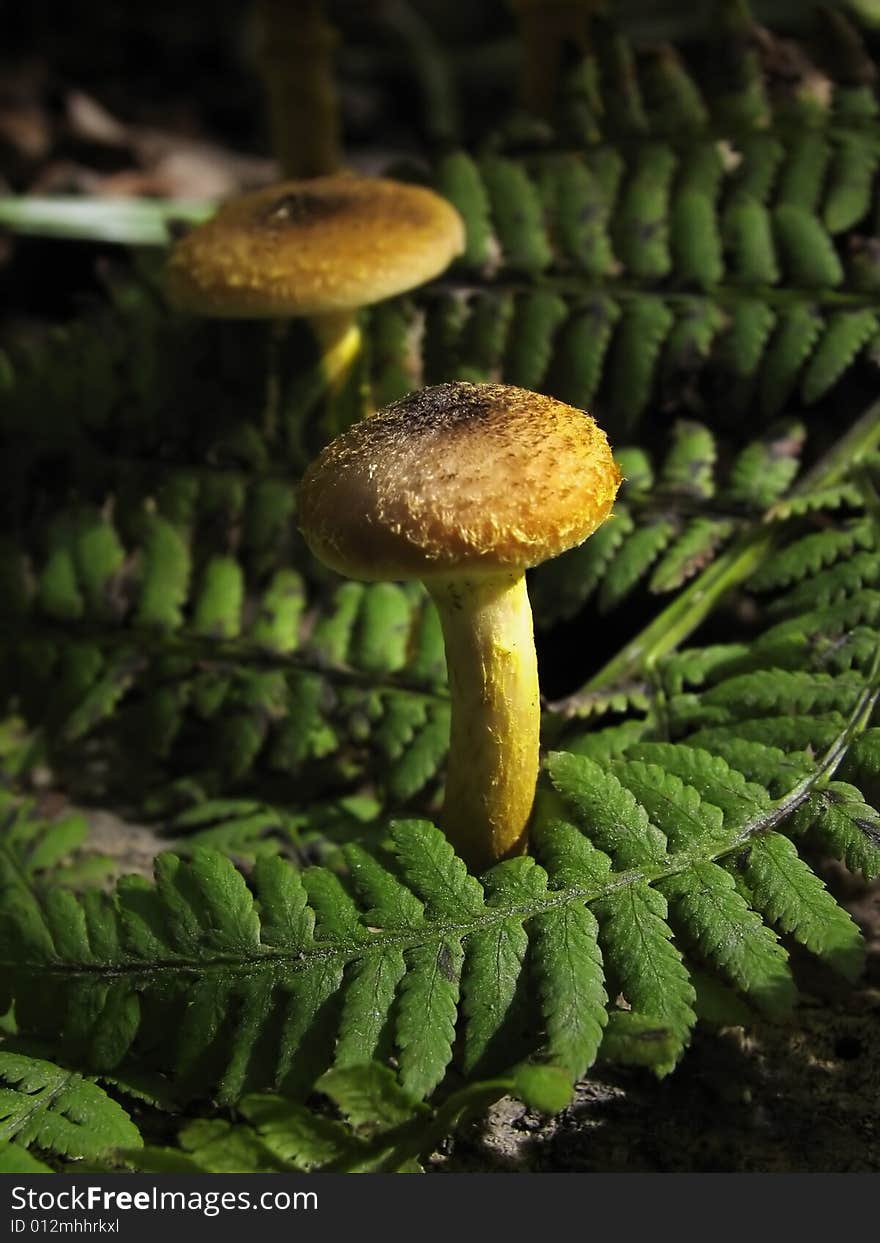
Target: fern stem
(494, 738)
(696, 602)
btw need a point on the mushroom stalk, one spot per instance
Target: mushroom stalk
(547, 27)
(496, 716)
(296, 52)
(338, 337)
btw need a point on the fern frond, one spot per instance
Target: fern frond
(845, 825)
(845, 334)
(790, 894)
(59, 1112)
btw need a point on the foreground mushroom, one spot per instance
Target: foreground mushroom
(320, 248)
(465, 486)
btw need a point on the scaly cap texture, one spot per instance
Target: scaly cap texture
(458, 476)
(309, 247)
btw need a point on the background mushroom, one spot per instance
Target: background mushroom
(465, 486)
(321, 248)
(296, 49)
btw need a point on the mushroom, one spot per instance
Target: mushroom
(319, 248)
(465, 486)
(547, 33)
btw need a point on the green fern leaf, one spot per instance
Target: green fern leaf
(536, 320)
(573, 996)
(697, 666)
(747, 231)
(813, 553)
(276, 626)
(793, 732)
(776, 770)
(219, 601)
(756, 176)
(833, 496)
(58, 590)
(689, 344)
(672, 98)
(845, 334)
(845, 825)
(637, 345)
(705, 905)
(835, 585)
(848, 198)
(641, 224)
(694, 549)
(673, 806)
(368, 1096)
(580, 351)
(781, 691)
(428, 1006)
(808, 254)
(709, 776)
(765, 470)
(33, 844)
(560, 587)
(615, 820)
(789, 893)
(581, 205)
(797, 332)
(739, 95)
(517, 215)
(459, 180)
(644, 964)
(394, 363)
(383, 627)
(622, 96)
(418, 761)
(16, 1160)
(59, 1111)
(742, 346)
(634, 1039)
(484, 337)
(696, 241)
(690, 461)
(633, 560)
(492, 983)
(803, 173)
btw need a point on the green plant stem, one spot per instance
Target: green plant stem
(127, 222)
(696, 602)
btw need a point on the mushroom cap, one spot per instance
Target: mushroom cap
(309, 247)
(476, 477)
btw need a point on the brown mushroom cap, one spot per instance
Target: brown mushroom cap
(310, 247)
(454, 477)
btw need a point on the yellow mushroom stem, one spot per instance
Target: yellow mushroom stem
(296, 55)
(496, 713)
(338, 340)
(338, 337)
(546, 28)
